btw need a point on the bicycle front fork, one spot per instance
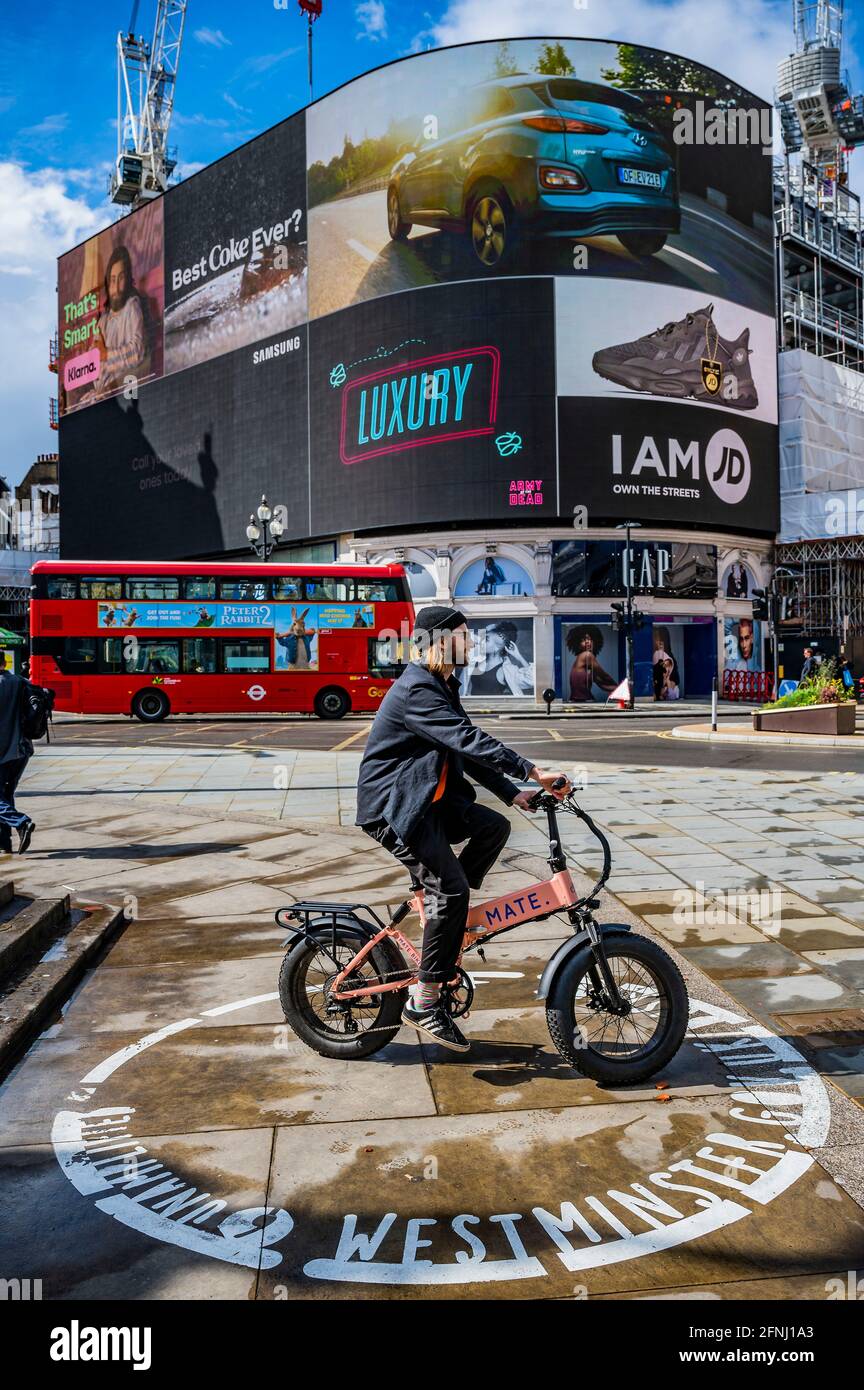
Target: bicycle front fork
(600, 974)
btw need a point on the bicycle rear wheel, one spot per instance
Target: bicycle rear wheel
(357, 1028)
(611, 1049)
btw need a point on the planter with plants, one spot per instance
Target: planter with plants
(820, 705)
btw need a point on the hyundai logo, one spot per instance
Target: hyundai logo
(637, 138)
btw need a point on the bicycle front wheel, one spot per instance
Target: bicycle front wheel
(610, 1048)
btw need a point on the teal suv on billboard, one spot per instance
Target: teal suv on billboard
(531, 156)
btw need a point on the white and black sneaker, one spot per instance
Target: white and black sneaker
(437, 1025)
(25, 835)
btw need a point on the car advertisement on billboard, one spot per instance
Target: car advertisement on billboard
(562, 157)
(427, 404)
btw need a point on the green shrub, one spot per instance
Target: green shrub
(824, 687)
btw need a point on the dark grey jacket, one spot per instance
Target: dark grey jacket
(810, 667)
(13, 744)
(420, 720)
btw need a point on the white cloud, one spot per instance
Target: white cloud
(199, 119)
(212, 38)
(93, 177)
(185, 170)
(235, 105)
(39, 219)
(744, 42)
(264, 62)
(372, 17)
(48, 126)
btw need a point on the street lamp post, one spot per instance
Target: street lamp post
(627, 527)
(264, 531)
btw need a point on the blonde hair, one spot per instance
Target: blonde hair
(433, 655)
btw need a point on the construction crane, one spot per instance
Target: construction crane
(819, 117)
(146, 79)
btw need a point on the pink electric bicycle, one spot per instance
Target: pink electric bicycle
(616, 1004)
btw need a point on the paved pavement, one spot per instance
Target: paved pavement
(611, 737)
(737, 732)
(170, 1137)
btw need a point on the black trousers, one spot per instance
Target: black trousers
(10, 817)
(445, 877)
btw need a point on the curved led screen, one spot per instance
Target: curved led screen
(508, 281)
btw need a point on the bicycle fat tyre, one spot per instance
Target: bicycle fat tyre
(560, 1012)
(384, 958)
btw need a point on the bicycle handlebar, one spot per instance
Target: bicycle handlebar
(537, 798)
(607, 853)
(551, 803)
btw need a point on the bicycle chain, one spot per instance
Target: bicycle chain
(391, 1027)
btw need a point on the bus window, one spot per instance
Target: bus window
(101, 588)
(77, 656)
(199, 588)
(377, 591)
(56, 587)
(286, 588)
(111, 656)
(199, 656)
(256, 589)
(386, 657)
(327, 590)
(245, 656)
(152, 656)
(153, 588)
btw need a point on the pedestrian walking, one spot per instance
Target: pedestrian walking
(811, 663)
(15, 753)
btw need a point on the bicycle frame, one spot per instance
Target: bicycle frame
(490, 918)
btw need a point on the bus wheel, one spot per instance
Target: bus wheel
(331, 703)
(150, 706)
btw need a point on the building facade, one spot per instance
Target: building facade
(29, 531)
(555, 594)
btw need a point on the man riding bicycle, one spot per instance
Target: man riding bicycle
(413, 798)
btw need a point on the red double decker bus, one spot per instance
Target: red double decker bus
(200, 638)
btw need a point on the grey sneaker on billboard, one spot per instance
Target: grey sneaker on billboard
(687, 358)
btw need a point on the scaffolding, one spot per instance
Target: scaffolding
(828, 598)
(820, 264)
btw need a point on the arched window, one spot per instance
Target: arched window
(495, 576)
(421, 581)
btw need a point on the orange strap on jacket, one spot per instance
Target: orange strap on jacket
(442, 780)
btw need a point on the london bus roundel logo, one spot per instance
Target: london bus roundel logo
(256, 692)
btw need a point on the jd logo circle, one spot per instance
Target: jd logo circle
(727, 464)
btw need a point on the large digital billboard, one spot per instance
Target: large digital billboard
(111, 295)
(235, 250)
(544, 156)
(427, 404)
(177, 469)
(505, 281)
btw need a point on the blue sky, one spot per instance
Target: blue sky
(243, 67)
